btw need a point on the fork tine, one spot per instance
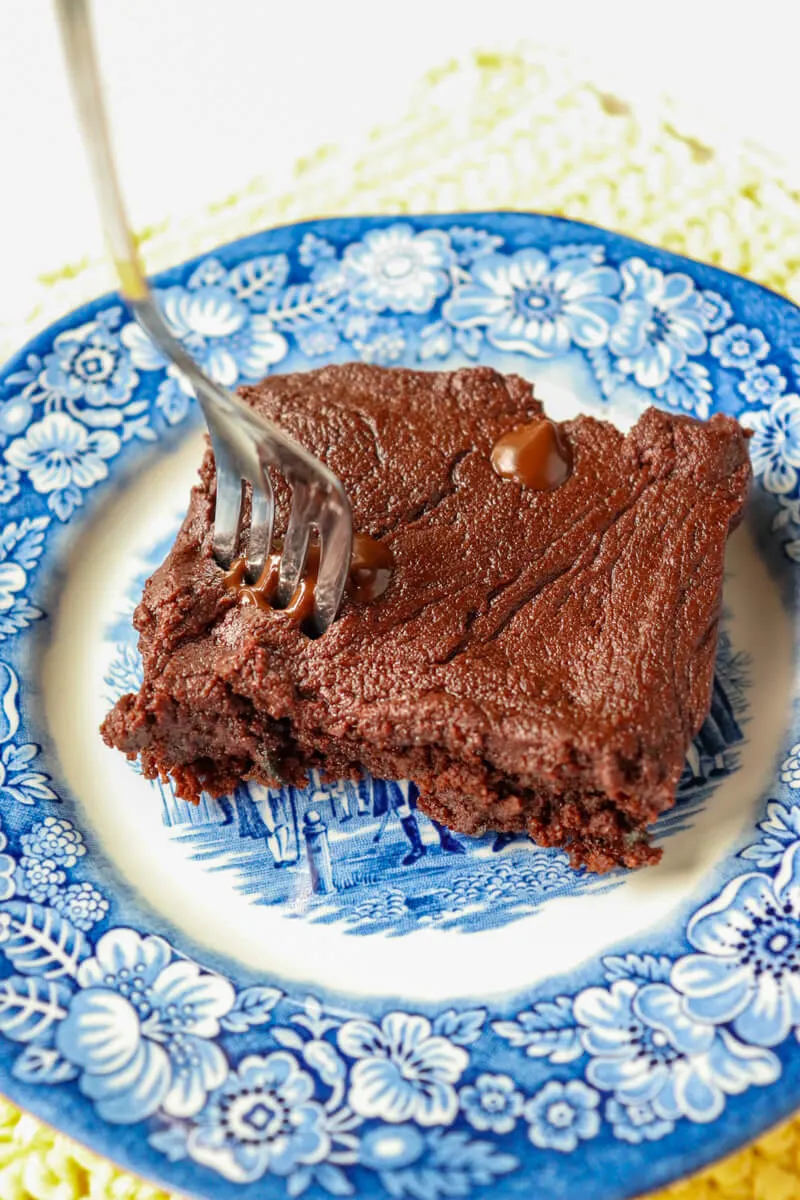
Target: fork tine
(295, 544)
(259, 538)
(227, 515)
(336, 546)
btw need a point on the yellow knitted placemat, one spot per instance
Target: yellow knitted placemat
(501, 130)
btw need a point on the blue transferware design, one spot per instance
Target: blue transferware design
(669, 1048)
(524, 302)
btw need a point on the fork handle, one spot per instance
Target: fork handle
(87, 91)
(217, 403)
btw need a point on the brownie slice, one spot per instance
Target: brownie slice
(540, 660)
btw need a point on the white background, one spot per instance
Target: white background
(207, 94)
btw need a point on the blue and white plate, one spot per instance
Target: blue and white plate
(322, 992)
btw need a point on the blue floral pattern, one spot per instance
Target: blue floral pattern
(403, 1070)
(61, 458)
(740, 347)
(492, 1102)
(716, 311)
(55, 839)
(87, 374)
(780, 829)
(775, 444)
(748, 961)
(527, 304)
(563, 1114)
(645, 1048)
(236, 1076)
(398, 269)
(89, 370)
(141, 1029)
(761, 385)
(637, 1123)
(662, 321)
(262, 1118)
(81, 904)
(41, 878)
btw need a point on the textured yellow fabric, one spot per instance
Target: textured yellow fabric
(517, 131)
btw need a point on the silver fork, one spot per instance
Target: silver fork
(245, 445)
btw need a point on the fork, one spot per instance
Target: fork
(244, 444)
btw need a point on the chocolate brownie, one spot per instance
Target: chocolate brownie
(543, 653)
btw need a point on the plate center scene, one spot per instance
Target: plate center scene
(350, 885)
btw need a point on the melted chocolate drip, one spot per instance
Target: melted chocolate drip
(371, 566)
(534, 455)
